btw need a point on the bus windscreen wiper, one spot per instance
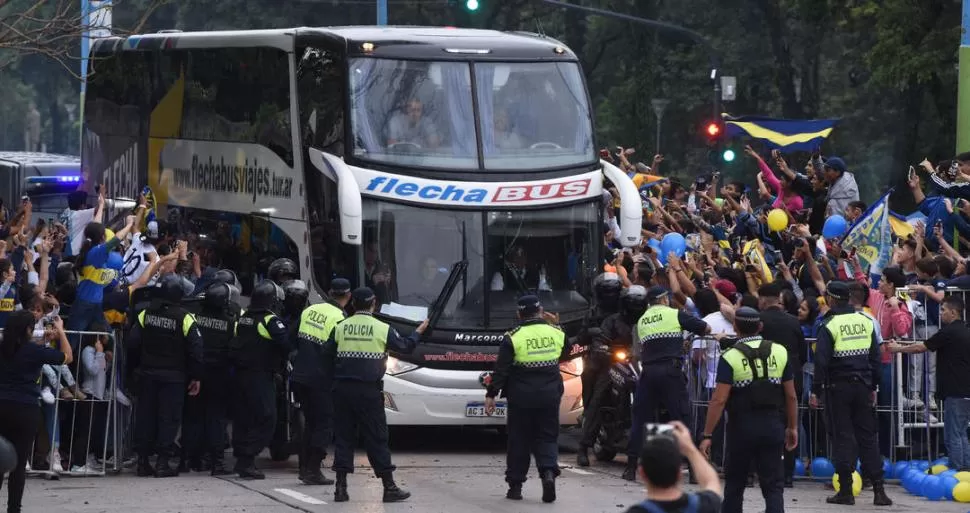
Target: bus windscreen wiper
(457, 270)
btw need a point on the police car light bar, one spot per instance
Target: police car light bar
(53, 179)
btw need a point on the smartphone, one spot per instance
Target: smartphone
(777, 255)
(605, 153)
(912, 173)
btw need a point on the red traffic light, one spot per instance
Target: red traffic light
(713, 130)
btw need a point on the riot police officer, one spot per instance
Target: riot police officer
(616, 333)
(206, 415)
(257, 352)
(356, 356)
(527, 373)
(755, 380)
(606, 302)
(165, 347)
(312, 385)
(662, 380)
(283, 270)
(847, 369)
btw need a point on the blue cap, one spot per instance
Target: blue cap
(838, 290)
(836, 163)
(340, 286)
(656, 292)
(529, 304)
(363, 295)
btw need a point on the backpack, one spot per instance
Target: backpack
(651, 507)
(762, 394)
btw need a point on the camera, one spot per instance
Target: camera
(654, 430)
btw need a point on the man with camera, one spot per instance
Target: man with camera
(755, 381)
(663, 451)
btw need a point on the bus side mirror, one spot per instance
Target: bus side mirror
(630, 214)
(348, 195)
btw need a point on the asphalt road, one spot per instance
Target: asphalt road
(446, 470)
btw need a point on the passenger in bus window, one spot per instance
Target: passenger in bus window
(411, 127)
(505, 137)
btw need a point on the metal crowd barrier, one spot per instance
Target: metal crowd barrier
(83, 434)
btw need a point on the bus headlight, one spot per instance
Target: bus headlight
(395, 366)
(572, 367)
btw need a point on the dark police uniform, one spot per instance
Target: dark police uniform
(756, 420)
(166, 346)
(206, 415)
(847, 369)
(313, 387)
(606, 289)
(257, 352)
(527, 373)
(356, 356)
(662, 379)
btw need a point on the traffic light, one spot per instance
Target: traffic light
(713, 131)
(728, 155)
(472, 5)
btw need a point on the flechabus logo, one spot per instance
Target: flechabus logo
(477, 193)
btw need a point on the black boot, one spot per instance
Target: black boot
(582, 457)
(844, 495)
(184, 466)
(549, 486)
(219, 467)
(515, 491)
(246, 468)
(880, 498)
(789, 482)
(311, 470)
(144, 467)
(630, 472)
(340, 491)
(392, 493)
(164, 469)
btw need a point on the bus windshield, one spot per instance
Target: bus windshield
(422, 114)
(409, 251)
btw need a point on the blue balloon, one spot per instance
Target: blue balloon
(932, 488)
(916, 483)
(899, 469)
(949, 473)
(887, 468)
(834, 226)
(822, 469)
(948, 482)
(799, 468)
(673, 243)
(923, 465)
(654, 244)
(942, 461)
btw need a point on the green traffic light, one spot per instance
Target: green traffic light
(471, 5)
(728, 155)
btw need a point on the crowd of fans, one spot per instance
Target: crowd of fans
(734, 258)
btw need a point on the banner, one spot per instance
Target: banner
(871, 236)
(783, 134)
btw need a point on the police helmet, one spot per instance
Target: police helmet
(606, 288)
(633, 301)
(226, 276)
(282, 270)
(217, 296)
(170, 288)
(267, 297)
(296, 296)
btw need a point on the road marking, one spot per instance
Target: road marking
(578, 471)
(299, 496)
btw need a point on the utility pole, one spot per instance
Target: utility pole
(963, 84)
(382, 12)
(693, 36)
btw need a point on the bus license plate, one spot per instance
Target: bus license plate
(477, 409)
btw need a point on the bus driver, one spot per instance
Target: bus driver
(411, 127)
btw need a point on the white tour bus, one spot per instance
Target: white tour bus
(450, 170)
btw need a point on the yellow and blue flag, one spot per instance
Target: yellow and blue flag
(871, 236)
(782, 134)
(146, 191)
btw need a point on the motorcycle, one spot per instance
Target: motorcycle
(616, 412)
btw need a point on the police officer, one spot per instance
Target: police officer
(204, 427)
(606, 302)
(312, 385)
(847, 369)
(283, 270)
(527, 373)
(356, 356)
(256, 352)
(165, 347)
(616, 333)
(662, 379)
(755, 381)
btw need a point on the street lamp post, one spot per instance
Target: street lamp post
(659, 105)
(382, 12)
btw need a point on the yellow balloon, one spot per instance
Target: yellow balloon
(939, 469)
(108, 234)
(856, 483)
(961, 492)
(962, 476)
(777, 220)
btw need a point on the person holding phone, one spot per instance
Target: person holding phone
(20, 365)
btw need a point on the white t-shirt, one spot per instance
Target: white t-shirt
(712, 349)
(136, 259)
(76, 221)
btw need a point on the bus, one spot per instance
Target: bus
(450, 170)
